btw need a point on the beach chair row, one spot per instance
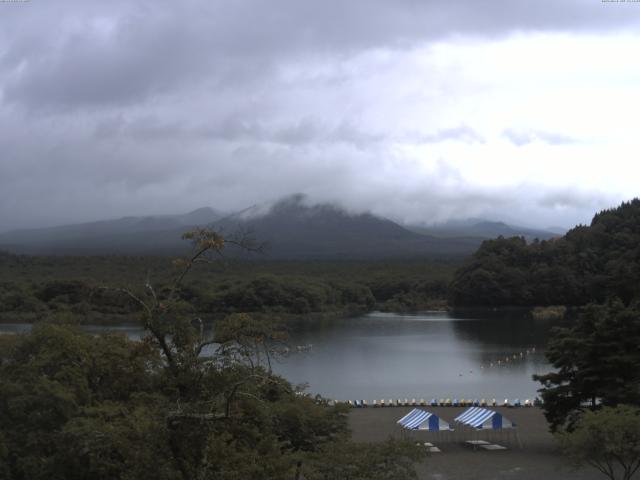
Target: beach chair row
(442, 403)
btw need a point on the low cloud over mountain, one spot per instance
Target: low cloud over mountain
(289, 228)
(413, 110)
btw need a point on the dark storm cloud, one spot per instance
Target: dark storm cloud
(119, 107)
(89, 53)
(306, 131)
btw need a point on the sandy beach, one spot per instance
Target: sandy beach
(537, 457)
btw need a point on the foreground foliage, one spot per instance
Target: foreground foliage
(76, 406)
(79, 406)
(596, 363)
(180, 404)
(608, 440)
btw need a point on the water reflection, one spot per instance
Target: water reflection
(432, 354)
(133, 331)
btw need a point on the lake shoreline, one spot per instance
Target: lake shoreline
(382, 355)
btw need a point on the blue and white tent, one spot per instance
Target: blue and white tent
(418, 419)
(482, 419)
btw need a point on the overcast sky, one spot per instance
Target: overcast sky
(418, 110)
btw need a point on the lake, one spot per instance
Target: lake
(424, 355)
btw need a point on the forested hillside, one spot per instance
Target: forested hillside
(590, 263)
(33, 288)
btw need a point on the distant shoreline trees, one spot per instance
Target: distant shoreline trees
(300, 293)
(589, 264)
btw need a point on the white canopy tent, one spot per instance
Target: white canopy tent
(418, 419)
(482, 419)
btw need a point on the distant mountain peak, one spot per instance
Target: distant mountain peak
(291, 227)
(297, 204)
(202, 210)
(200, 216)
(481, 228)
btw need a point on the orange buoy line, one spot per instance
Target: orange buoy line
(503, 361)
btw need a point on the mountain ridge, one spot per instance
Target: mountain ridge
(483, 228)
(290, 228)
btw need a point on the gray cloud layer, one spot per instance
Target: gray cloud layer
(115, 108)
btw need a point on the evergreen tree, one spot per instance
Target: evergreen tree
(596, 363)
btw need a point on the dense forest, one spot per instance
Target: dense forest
(78, 406)
(183, 403)
(33, 288)
(595, 360)
(589, 264)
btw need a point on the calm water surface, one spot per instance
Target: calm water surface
(426, 355)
